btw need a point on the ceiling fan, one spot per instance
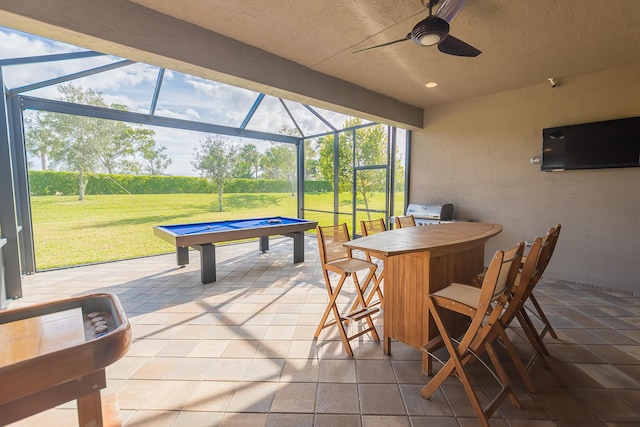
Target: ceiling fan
(435, 30)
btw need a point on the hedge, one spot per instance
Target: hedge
(48, 183)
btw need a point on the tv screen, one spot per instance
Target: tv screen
(608, 144)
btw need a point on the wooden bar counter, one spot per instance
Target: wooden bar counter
(419, 261)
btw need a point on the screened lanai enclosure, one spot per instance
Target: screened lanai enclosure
(97, 149)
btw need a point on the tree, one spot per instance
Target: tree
(371, 147)
(215, 159)
(153, 157)
(87, 144)
(116, 146)
(40, 140)
(280, 159)
(345, 157)
(311, 163)
(248, 164)
(72, 141)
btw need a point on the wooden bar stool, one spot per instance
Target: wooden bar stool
(483, 306)
(552, 236)
(368, 228)
(335, 258)
(405, 221)
(535, 337)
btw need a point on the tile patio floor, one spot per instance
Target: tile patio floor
(240, 352)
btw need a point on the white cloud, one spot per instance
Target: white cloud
(181, 96)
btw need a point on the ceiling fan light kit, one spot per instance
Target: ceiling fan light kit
(434, 30)
(430, 31)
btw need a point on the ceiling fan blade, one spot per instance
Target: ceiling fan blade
(408, 37)
(453, 46)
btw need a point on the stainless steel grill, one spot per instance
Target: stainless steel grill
(431, 214)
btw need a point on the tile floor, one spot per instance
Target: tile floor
(240, 352)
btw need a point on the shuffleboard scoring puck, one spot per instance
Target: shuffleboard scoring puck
(92, 315)
(100, 328)
(97, 319)
(274, 221)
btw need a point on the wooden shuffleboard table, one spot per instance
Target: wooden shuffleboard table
(56, 352)
(203, 236)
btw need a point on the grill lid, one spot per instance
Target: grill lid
(442, 212)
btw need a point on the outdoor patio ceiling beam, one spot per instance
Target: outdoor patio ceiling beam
(252, 111)
(70, 77)
(49, 58)
(318, 115)
(295, 123)
(320, 135)
(31, 103)
(156, 92)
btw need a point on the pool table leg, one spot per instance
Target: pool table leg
(264, 243)
(298, 247)
(182, 255)
(207, 263)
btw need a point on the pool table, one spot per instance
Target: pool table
(203, 236)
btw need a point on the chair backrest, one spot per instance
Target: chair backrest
(508, 270)
(372, 227)
(405, 221)
(536, 262)
(549, 241)
(548, 245)
(499, 277)
(331, 239)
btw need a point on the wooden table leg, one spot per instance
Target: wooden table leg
(386, 343)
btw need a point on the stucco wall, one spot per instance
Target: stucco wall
(476, 153)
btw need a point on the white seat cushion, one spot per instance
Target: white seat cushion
(464, 294)
(351, 265)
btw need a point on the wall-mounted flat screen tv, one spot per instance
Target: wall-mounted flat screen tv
(608, 144)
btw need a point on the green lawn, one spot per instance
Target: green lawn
(68, 232)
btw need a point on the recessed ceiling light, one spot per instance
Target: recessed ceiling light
(431, 85)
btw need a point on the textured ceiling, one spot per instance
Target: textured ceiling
(523, 41)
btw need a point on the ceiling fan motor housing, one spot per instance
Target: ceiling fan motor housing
(430, 31)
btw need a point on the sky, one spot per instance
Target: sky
(182, 96)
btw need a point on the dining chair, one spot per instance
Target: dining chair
(534, 336)
(553, 234)
(518, 295)
(368, 228)
(405, 221)
(337, 259)
(533, 266)
(483, 306)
